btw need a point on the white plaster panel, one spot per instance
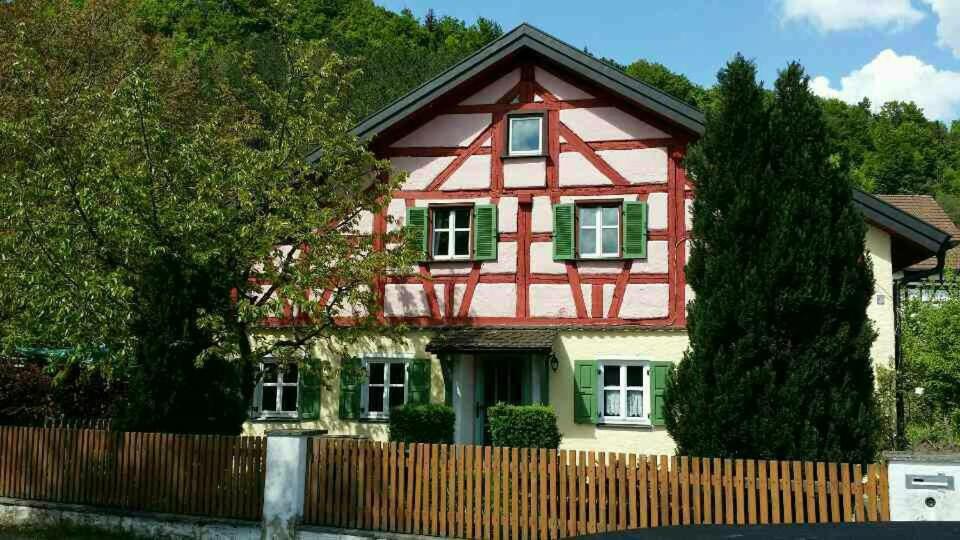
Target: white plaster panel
(506, 262)
(688, 215)
(420, 170)
(557, 86)
(608, 290)
(439, 292)
(459, 289)
(537, 98)
(507, 210)
(608, 124)
(657, 211)
(349, 309)
(495, 90)
(587, 291)
(657, 261)
(541, 259)
(474, 200)
(565, 199)
(450, 268)
(405, 300)
(576, 170)
(397, 212)
(474, 173)
(494, 300)
(552, 301)
(562, 139)
(525, 172)
(365, 222)
(447, 130)
(599, 267)
(640, 165)
(541, 217)
(645, 301)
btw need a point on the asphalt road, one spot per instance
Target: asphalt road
(864, 531)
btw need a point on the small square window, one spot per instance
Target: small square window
(279, 390)
(385, 387)
(598, 231)
(525, 136)
(625, 395)
(451, 232)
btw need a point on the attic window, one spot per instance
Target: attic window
(525, 135)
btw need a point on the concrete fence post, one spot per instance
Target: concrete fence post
(286, 474)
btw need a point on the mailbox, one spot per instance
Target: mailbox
(924, 487)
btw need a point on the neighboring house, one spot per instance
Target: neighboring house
(551, 207)
(928, 209)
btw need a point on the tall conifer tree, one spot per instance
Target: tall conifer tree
(779, 361)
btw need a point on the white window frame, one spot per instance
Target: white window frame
(622, 364)
(280, 385)
(539, 150)
(451, 230)
(598, 228)
(365, 387)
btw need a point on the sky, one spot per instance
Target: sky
(881, 49)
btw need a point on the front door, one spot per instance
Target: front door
(500, 379)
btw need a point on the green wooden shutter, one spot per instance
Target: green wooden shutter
(634, 230)
(418, 381)
(351, 382)
(584, 392)
(309, 391)
(485, 232)
(563, 225)
(659, 373)
(417, 218)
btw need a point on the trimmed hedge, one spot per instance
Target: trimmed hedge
(524, 426)
(422, 423)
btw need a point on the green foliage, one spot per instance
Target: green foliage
(157, 188)
(422, 423)
(393, 51)
(779, 361)
(523, 426)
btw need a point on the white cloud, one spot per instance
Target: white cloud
(836, 15)
(890, 76)
(948, 25)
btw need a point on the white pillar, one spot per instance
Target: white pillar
(285, 482)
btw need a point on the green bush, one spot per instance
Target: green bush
(424, 423)
(524, 426)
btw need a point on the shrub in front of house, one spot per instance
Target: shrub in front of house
(422, 423)
(523, 426)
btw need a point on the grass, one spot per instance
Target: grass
(57, 532)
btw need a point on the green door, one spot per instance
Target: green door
(500, 379)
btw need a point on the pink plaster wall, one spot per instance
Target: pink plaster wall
(558, 87)
(506, 262)
(525, 172)
(494, 300)
(552, 301)
(541, 259)
(639, 166)
(507, 210)
(645, 301)
(495, 90)
(447, 130)
(657, 211)
(420, 170)
(405, 299)
(575, 170)
(657, 261)
(608, 124)
(541, 217)
(473, 174)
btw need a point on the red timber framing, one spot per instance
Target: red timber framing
(528, 94)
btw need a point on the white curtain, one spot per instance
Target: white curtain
(634, 403)
(611, 403)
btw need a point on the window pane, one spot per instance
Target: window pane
(462, 218)
(461, 244)
(634, 403)
(611, 216)
(588, 241)
(269, 398)
(634, 375)
(588, 216)
(375, 399)
(524, 134)
(396, 373)
(611, 376)
(441, 219)
(396, 396)
(611, 403)
(610, 241)
(270, 373)
(289, 398)
(441, 242)
(376, 373)
(290, 373)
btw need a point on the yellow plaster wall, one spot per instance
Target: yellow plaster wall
(878, 246)
(329, 419)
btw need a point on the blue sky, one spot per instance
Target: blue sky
(882, 49)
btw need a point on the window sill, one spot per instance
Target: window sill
(275, 419)
(524, 156)
(368, 420)
(626, 425)
(602, 259)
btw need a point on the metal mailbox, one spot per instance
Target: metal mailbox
(924, 487)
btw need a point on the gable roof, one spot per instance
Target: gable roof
(526, 37)
(929, 210)
(923, 238)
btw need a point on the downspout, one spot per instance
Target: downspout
(899, 288)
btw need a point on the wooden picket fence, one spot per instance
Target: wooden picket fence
(204, 475)
(509, 493)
